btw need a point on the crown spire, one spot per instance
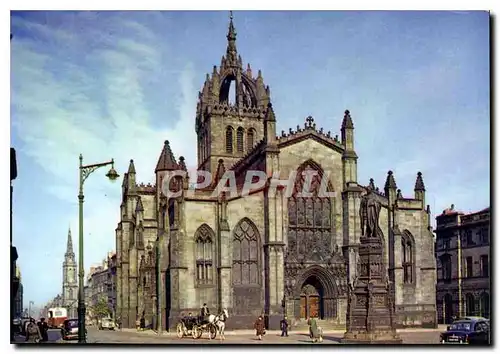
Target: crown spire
(231, 52)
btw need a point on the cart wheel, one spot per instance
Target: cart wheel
(195, 331)
(199, 332)
(212, 331)
(180, 330)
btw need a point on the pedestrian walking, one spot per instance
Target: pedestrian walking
(260, 327)
(142, 322)
(32, 332)
(284, 327)
(44, 329)
(315, 332)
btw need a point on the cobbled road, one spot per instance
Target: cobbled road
(128, 336)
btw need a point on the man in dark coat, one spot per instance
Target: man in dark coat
(205, 312)
(44, 329)
(284, 327)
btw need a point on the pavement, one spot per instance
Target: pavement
(132, 336)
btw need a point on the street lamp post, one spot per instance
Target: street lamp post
(29, 308)
(85, 171)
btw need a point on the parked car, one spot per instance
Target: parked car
(70, 329)
(471, 331)
(107, 323)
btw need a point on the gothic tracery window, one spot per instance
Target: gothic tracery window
(246, 254)
(204, 254)
(250, 139)
(309, 216)
(239, 139)
(229, 140)
(407, 258)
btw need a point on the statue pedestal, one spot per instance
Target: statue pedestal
(370, 305)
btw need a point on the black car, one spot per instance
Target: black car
(70, 329)
(471, 331)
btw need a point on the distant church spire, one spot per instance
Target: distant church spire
(69, 244)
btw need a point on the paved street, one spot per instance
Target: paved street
(237, 337)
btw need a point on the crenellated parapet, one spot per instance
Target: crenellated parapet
(146, 188)
(226, 109)
(308, 130)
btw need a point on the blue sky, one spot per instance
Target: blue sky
(117, 84)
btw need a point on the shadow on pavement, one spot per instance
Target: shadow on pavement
(327, 337)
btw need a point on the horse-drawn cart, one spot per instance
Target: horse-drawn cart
(195, 327)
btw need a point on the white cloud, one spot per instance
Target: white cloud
(95, 105)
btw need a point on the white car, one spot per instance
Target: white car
(107, 323)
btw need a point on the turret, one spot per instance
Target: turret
(390, 188)
(270, 125)
(349, 157)
(420, 188)
(131, 178)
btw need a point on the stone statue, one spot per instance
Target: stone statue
(369, 215)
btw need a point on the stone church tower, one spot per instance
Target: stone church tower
(70, 284)
(276, 250)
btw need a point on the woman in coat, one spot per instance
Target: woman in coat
(314, 331)
(260, 327)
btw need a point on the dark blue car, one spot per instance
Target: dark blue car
(467, 331)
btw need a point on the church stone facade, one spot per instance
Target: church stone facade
(265, 253)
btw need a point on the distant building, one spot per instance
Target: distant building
(111, 283)
(101, 284)
(70, 283)
(18, 299)
(463, 264)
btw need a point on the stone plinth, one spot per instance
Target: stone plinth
(370, 309)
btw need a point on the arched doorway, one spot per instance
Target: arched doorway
(311, 299)
(470, 303)
(448, 308)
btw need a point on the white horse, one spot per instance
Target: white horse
(219, 321)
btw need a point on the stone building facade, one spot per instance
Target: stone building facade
(70, 284)
(463, 264)
(18, 299)
(274, 250)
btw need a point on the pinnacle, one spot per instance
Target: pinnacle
(390, 182)
(372, 184)
(419, 183)
(131, 167)
(166, 162)
(347, 121)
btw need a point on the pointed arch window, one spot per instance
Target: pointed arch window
(206, 144)
(407, 250)
(250, 139)
(204, 237)
(309, 216)
(246, 254)
(229, 140)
